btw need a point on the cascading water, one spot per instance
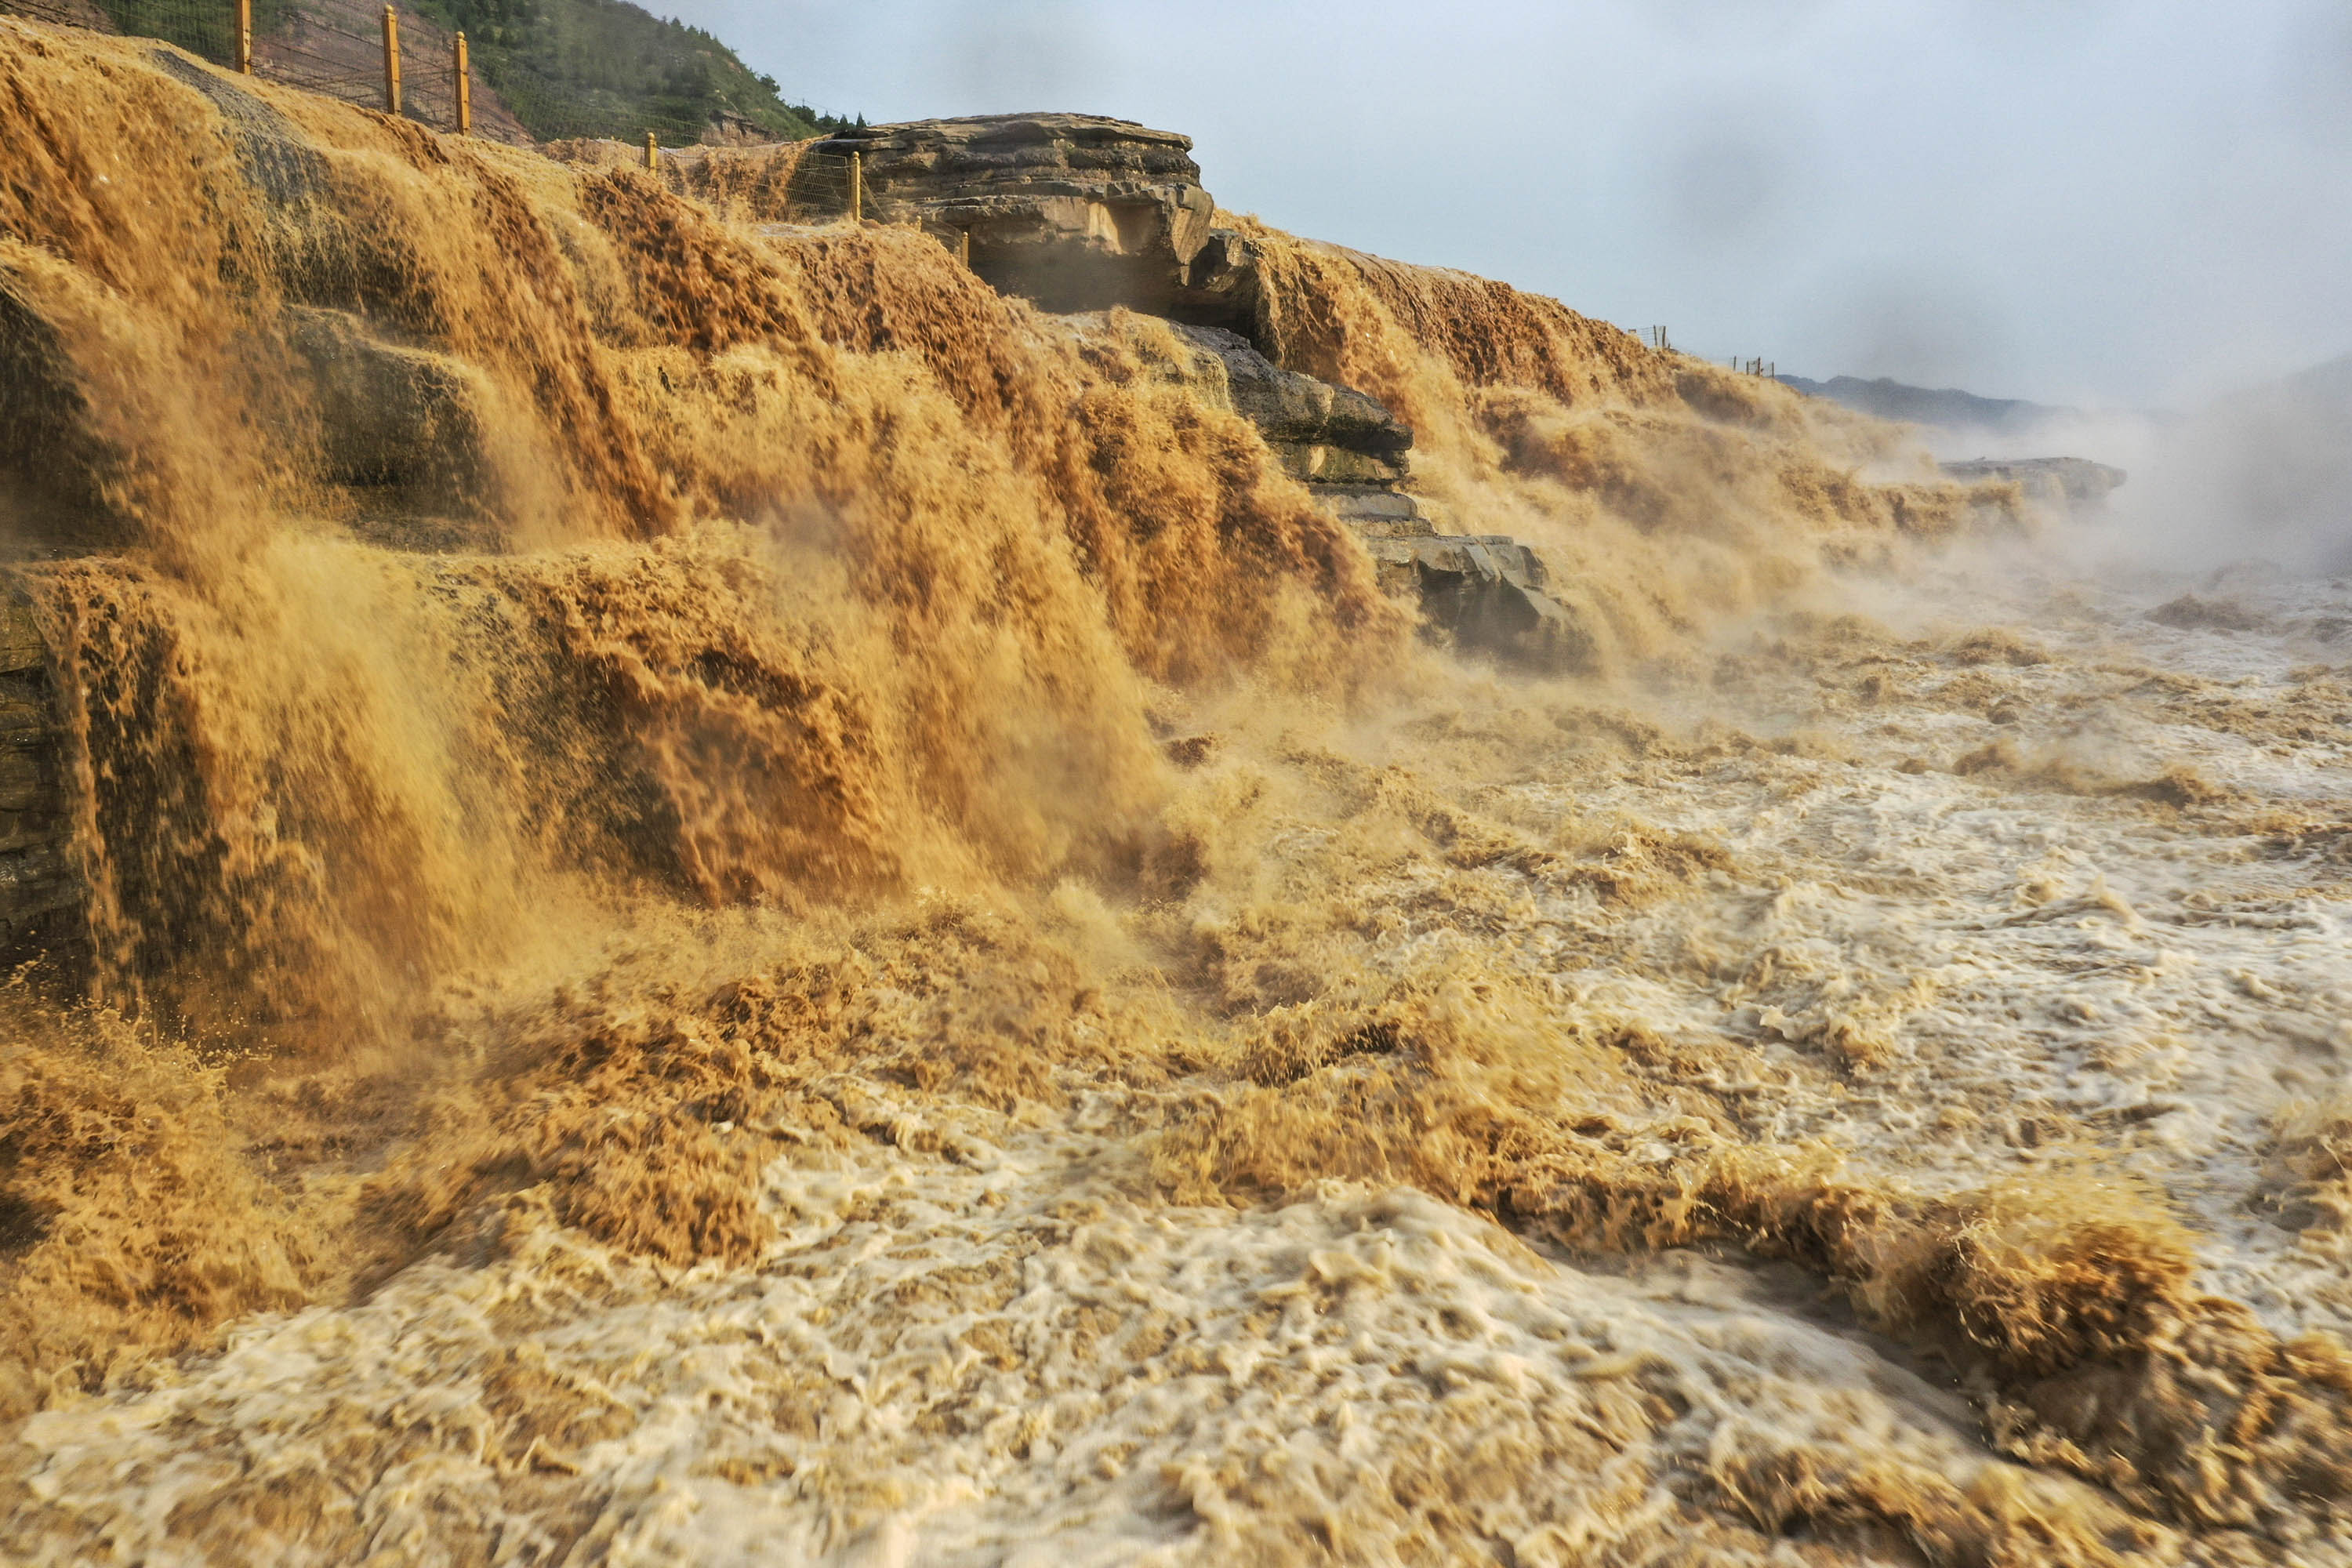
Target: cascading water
(740, 901)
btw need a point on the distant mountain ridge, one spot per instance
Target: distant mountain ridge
(1945, 405)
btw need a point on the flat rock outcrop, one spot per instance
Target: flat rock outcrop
(2059, 481)
(1072, 211)
(1075, 212)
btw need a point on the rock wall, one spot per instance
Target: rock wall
(1072, 211)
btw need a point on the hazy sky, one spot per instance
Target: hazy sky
(2068, 200)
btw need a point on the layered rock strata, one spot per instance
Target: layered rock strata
(1077, 213)
(1485, 590)
(1073, 212)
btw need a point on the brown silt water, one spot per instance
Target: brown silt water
(741, 902)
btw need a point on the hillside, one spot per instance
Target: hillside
(547, 68)
(605, 68)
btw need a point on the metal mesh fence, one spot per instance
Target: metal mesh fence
(332, 47)
(792, 183)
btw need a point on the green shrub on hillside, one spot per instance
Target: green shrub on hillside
(566, 68)
(605, 68)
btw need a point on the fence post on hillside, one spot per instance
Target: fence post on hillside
(653, 162)
(390, 61)
(245, 36)
(963, 247)
(857, 187)
(464, 84)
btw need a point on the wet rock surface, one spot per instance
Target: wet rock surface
(393, 419)
(1486, 590)
(1323, 434)
(38, 891)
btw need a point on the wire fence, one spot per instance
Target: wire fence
(1659, 338)
(792, 183)
(394, 59)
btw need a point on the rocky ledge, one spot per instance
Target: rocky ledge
(2058, 481)
(1073, 211)
(1486, 591)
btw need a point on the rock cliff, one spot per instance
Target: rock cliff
(1072, 211)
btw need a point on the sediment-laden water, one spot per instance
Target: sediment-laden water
(861, 940)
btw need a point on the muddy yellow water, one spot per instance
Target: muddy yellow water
(853, 935)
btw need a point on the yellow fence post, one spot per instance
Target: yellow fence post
(244, 36)
(964, 247)
(857, 187)
(390, 61)
(651, 161)
(465, 86)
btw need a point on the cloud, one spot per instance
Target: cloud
(1020, 54)
(1727, 177)
(2314, 79)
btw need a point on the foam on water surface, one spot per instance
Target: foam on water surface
(849, 931)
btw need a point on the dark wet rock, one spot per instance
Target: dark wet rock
(55, 463)
(404, 428)
(1487, 592)
(1324, 434)
(1484, 592)
(39, 897)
